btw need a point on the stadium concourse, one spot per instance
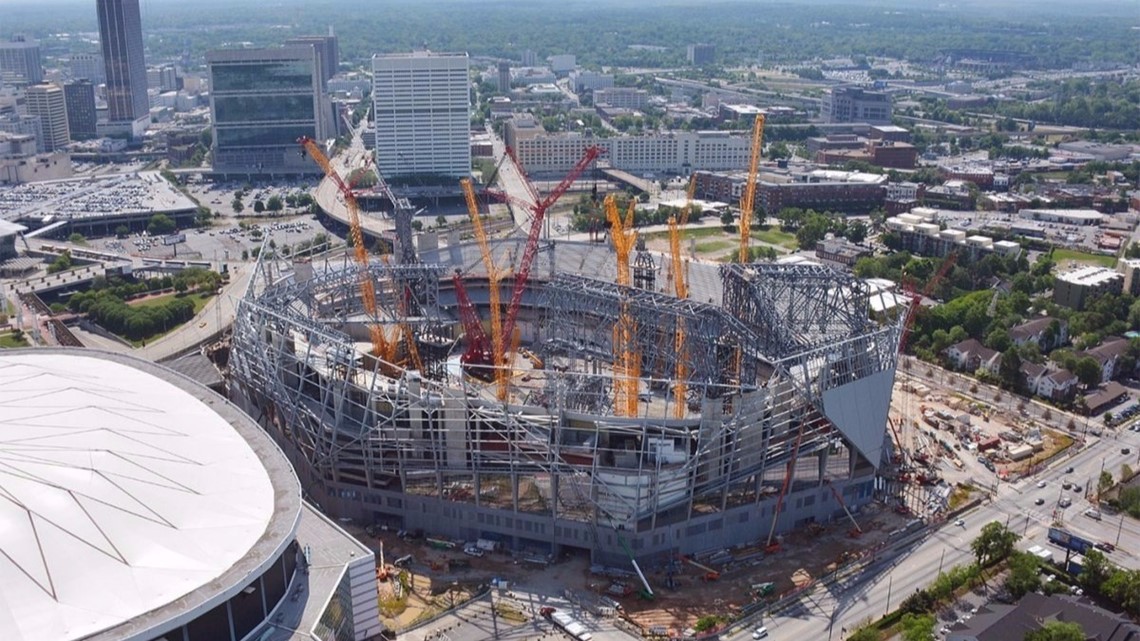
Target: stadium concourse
(139, 505)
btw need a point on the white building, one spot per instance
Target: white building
(671, 153)
(591, 80)
(46, 101)
(623, 97)
(422, 107)
(563, 63)
(1064, 216)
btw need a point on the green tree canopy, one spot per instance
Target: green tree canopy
(1057, 631)
(994, 543)
(160, 225)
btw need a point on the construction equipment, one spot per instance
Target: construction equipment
(627, 361)
(539, 210)
(502, 378)
(855, 531)
(647, 592)
(381, 346)
(748, 197)
(681, 289)
(478, 356)
(710, 574)
(771, 547)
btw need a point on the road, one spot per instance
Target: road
(827, 611)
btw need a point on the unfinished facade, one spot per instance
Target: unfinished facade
(787, 385)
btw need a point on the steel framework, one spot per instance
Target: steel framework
(437, 448)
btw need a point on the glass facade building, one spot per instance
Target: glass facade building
(262, 101)
(120, 36)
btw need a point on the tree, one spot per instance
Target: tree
(441, 221)
(160, 225)
(917, 627)
(869, 633)
(1095, 571)
(998, 340)
(1104, 482)
(122, 231)
(258, 206)
(1010, 370)
(1057, 631)
(726, 219)
(1087, 371)
(245, 254)
(77, 238)
(993, 544)
(180, 286)
(1124, 588)
(1024, 574)
(274, 203)
(237, 205)
(857, 232)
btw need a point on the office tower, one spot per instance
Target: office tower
(529, 58)
(505, 77)
(855, 104)
(89, 66)
(120, 35)
(20, 57)
(326, 47)
(79, 96)
(422, 107)
(262, 101)
(46, 101)
(701, 54)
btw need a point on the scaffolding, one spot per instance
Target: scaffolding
(556, 447)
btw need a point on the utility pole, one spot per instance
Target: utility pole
(1120, 528)
(890, 583)
(940, 560)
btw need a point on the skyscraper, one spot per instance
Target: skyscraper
(120, 35)
(89, 66)
(422, 107)
(46, 101)
(79, 97)
(504, 77)
(20, 57)
(326, 47)
(261, 102)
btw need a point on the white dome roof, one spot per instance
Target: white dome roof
(120, 492)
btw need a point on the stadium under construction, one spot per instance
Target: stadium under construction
(782, 410)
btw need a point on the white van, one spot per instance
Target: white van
(1093, 513)
(1065, 501)
(760, 633)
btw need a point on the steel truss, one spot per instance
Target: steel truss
(560, 451)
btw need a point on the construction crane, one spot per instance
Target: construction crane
(855, 531)
(747, 198)
(502, 378)
(681, 289)
(627, 362)
(539, 209)
(710, 574)
(769, 546)
(381, 346)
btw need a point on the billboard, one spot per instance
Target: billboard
(174, 239)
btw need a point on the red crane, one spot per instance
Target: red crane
(538, 210)
(478, 347)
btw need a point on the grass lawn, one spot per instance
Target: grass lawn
(199, 302)
(1063, 256)
(710, 246)
(198, 298)
(698, 232)
(774, 236)
(9, 340)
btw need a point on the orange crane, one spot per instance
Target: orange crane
(856, 531)
(747, 198)
(381, 347)
(501, 375)
(627, 362)
(681, 289)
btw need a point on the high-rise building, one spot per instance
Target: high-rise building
(23, 124)
(855, 104)
(327, 50)
(120, 35)
(46, 101)
(20, 58)
(529, 58)
(422, 107)
(164, 78)
(504, 77)
(79, 96)
(701, 54)
(89, 66)
(261, 102)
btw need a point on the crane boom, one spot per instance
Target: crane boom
(627, 362)
(501, 376)
(531, 249)
(747, 198)
(380, 345)
(478, 351)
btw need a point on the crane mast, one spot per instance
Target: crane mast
(681, 289)
(381, 347)
(747, 198)
(627, 362)
(501, 374)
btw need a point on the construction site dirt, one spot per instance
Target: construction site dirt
(441, 579)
